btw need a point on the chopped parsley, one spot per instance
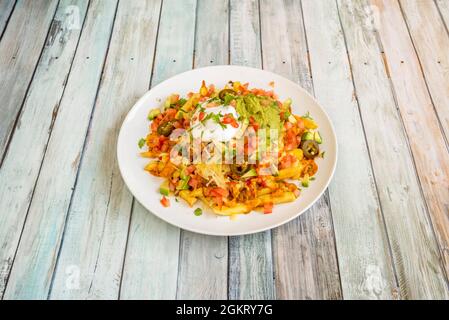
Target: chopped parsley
(307, 116)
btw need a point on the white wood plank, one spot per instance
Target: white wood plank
(31, 274)
(443, 6)
(40, 108)
(6, 7)
(364, 261)
(420, 120)
(415, 251)
(151, 262)
(97, 226)
(203, 260)
(250, 257)
(20, 49)
(304, 249)
(431, 43)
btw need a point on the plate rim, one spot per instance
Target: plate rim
(256, 230)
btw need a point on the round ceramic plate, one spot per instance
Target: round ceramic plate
(145, 186)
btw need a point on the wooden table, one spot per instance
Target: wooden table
(71, 70)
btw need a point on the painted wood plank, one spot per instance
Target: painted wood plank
(250, 256)
(304, 249)
(413, 244)
(31, 274)
(6, 7)
(20, 49)
(203, 260)
(40, 108)
(419, 118)
(363, 255)
(431, 43)
(443, 6)
(151, 262)
(97, 226)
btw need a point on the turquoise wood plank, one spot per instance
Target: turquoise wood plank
(364, 259)
(20, 48)
(35, 124)
(151, 262)
(32, 271)
(97, 226)
(199, 254)
(250, 257)
(304, 249)
(413, 244)
(6, 7)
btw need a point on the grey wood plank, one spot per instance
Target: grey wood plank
(20, 49)
(97, 226)
(363, 254)
(146, 274)
(35, 124)
(415, 251)
(203, 260)
(6, 7)
(35, 261)
(304, 249)
(419, 118)
(250, 256)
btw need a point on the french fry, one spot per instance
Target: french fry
(286, 197)
(186, 195)
(228, 211)
(151, 166)
(263, 191)
(288, 173)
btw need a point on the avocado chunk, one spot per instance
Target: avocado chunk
(164, 189)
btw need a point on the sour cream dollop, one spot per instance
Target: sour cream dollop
(210, 129)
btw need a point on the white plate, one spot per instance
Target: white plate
(145, 187)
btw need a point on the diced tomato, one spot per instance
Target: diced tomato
(190, 169)
(287, 125)
(201, 116)
(170, 114)
(165, 202)
(227, 118)
(193, 182)
(219, 192)
(268, 208)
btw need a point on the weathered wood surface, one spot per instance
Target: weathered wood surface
(71, 69)
(305, 262)
(431, 43)
(250, 256)
(33, 267)
(203, 260)
(151, 263)
(443, 6)
(420, 120)
(35, 124)
(412, 241)
(20, 49)
(6, 7)
(97, 225)
(365, 264)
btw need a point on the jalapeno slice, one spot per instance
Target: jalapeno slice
(224, 92)
(165, 128)
(240, 169)
(310, 149)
